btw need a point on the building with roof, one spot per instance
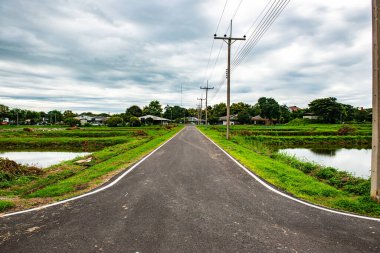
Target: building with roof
(155, 120)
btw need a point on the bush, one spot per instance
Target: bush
(140, 133)
(10, 170)
(134, 122)
(4, 205)
(72, 121)
(346, 130)
(326, 173)
(27, 129)
(115, 121)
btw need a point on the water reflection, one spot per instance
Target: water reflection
(327, 152)
(356, 161)
(41, 159)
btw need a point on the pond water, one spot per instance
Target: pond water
(356, 161)
(41, 159)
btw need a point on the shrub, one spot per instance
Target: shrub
(27, 129)
(326, 173)
(114, 121)
(72, 121)
(134, 122)
(10, 170)
(5, 205)
(346, 130)
(140, 133)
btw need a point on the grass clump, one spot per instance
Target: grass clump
(12, 171)
(4, 205)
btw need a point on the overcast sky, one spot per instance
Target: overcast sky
(106, 55)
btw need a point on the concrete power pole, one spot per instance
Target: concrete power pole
(375, 177)
(200, 117)
(206, 88)
(229, 41)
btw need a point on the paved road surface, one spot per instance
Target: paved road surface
(187, 197)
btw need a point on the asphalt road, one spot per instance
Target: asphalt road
(187, 197)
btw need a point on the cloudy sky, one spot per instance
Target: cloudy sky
(106, 55)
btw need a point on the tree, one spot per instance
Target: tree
(68, 114)
(269, 108)
(348, 113)
(244, 117)
(33, 117)
(363, 115)
(133, 111)
(175, 112)
(285, 114)
(328, 108)
(154, 108)
(71, 121)
(219, 110)
(4, 110)
(55, 116)
(115, 121)
(236, 108)
(134, 122)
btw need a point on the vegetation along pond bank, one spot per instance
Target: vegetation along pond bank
(24, 186)
(309, 181)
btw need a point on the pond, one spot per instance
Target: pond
(356, 161)
(41, 159)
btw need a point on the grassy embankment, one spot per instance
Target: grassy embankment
(255, 147)
(23, 186)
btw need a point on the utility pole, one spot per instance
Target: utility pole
(375, 177)
(198, 106)
(200, 116)
(229, 41)
(206, 88)
(181, 107)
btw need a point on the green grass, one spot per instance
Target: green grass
(69, 178)
(4, 205)
(310, 182)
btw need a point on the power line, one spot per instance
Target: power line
(206, 88)
(213, 41)
(259, 32)
(253, 24)
(263, 23)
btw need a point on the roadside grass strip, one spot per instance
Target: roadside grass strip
(70, 178)
(286, 177)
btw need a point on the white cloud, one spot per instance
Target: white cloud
(108, 55)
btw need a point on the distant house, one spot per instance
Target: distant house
(311, 116)
(93, 120)
(233, 120)
(99, 120)
(258, 120)
(155, 119)
(294, 108)
(194, 120)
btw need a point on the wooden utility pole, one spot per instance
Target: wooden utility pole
(200, 117)
(375, 177)
(206, 88)
(229, 41)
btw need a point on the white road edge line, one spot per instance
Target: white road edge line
(97, 190)
(283, 194)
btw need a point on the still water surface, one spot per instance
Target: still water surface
(41, 159)
(356, 161)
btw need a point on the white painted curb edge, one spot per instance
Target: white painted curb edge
(97, 190)
(285, 195)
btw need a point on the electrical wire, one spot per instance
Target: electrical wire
(259, 33)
